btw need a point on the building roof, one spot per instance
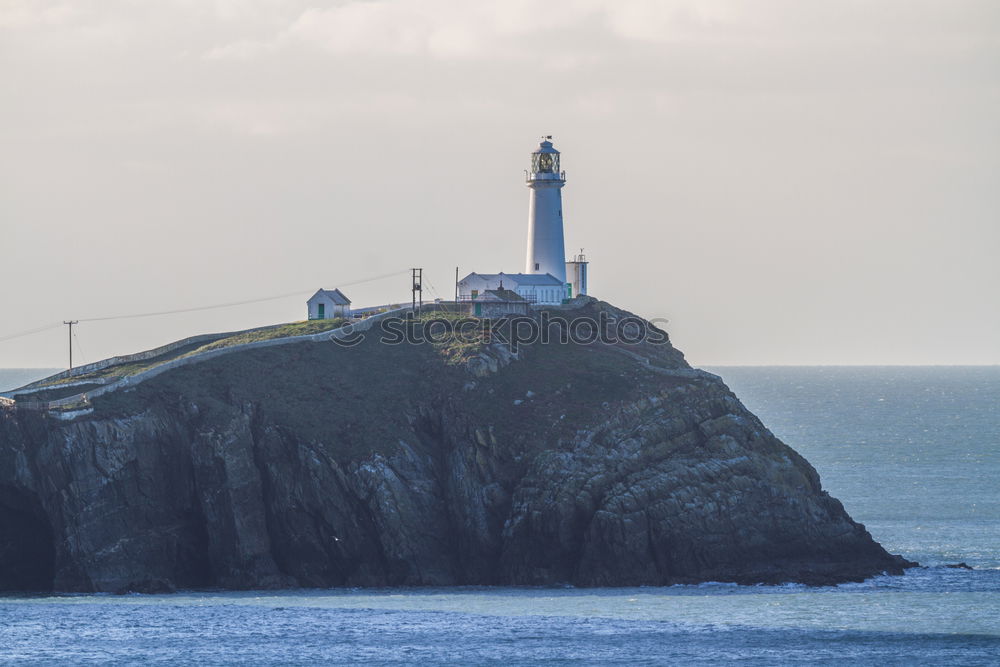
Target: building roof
(519, 279)
(539, 279)
(499, 295)
(334, 295)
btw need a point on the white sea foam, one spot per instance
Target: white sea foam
(919, 469)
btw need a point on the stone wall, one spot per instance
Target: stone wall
(115, 361)
(83, 398)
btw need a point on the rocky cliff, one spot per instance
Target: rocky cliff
(449, 463)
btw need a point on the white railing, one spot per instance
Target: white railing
(83, 398)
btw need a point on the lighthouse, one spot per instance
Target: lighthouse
(543, 282)
(546, 248)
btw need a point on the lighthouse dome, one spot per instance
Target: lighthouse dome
(545, 147)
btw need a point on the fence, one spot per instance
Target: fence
(115, 361)
(83, 398)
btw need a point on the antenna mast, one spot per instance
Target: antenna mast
(417, 291)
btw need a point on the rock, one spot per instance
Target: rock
(959, 566)
(149, 586)
(383, 465)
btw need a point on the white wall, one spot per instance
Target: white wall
(576, 275)
(475, 283)
(543, 295)
(546, 247)
(331, 309)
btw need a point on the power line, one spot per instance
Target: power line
(231, 303)
(190, 310)
(430, 286)
(79, 347)
(31, 331)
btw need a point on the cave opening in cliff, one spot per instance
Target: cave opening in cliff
(27, 550)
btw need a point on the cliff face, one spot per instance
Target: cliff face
(319, 465)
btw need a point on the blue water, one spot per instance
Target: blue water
(12, 378)
(914, 453)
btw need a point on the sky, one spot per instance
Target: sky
(784, 181)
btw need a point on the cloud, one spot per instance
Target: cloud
(373, 27)
(773, 138)
(496, 29)
(19, 14)
(653, 21)
(244, 49)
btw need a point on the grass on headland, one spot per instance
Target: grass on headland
(303, 328)
(456, 345)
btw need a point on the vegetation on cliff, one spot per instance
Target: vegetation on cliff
(456, 461)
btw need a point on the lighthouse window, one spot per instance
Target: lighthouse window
(545, 163)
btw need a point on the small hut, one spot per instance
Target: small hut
(327, 304)
(498, 302)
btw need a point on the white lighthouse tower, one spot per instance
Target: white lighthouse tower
(546, 248)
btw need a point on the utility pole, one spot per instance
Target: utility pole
(71, 323)
(417, 290)
(456, 284)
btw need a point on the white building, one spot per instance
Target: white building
(327, 304)
(544, 289)
(548, 278)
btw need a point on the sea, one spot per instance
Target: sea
(913, 453)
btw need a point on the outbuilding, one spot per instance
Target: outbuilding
(327, 304)
(498, 302)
